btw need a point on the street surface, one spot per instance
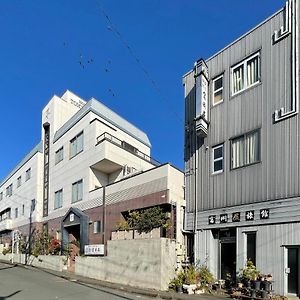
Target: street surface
(17, 282)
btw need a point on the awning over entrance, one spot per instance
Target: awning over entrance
(75, 222)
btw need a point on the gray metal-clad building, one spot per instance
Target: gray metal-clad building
(242, 153)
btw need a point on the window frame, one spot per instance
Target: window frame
(27, 174)
(77, 184)
(213, 160)
(59, 155)
(251, 246)
(9, 190)
(243, 63)
(217, 90)
(19, 181)
(60, 202)
(95, 227)
(244, 136)
(75, 139)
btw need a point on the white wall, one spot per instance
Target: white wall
(29, 190)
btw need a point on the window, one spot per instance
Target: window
(245, 74)
(9, 190)
(245, 150)
(217, 159)
(59, 155)
(5, 214)
(19, 181)
(58, 201)
(218, 90)
(77, 191)
(32, 206)
(1, 196)
(129, 147)
(251, 246)
(97, 226)
(76, 145)
(23, 210)
(16, 213)
(28, 174)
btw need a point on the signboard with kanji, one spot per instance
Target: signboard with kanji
(249, 216)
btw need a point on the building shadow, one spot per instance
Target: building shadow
(8, 296)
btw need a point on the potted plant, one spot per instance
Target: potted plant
(191, 279)
(249, 274)
(177, 282)
(206, 278)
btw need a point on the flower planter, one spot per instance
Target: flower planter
(266, 285)
(253, 294)
(256, 284)
(247, 284)
(199, 291)
(264, 294)
(189, 288)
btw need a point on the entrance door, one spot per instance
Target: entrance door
(293, 275)
(228, 260)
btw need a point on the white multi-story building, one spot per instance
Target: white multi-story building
(90, 168)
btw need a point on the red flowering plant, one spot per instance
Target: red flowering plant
(54, 247)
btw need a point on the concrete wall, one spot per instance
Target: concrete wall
(140, 263)
(51, 262)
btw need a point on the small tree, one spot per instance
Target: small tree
(151, 218)
(145, 220)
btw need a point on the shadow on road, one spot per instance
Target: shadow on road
(8, 296)
(7, 267)
(104, 290)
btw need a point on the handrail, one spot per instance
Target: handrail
(126, 146)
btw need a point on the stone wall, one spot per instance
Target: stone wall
(141, 263)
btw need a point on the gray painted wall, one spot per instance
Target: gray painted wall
(277, 175)
(271, 241)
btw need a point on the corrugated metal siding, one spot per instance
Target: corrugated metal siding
(277, 176)
(270, 248)
(207, 250)
(271, 242)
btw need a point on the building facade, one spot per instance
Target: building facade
(242, 157)
(89, 169)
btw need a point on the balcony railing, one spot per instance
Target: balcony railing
(124, 145)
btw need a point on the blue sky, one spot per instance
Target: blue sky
(43, 42)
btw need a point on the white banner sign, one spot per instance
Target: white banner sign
(94, 249)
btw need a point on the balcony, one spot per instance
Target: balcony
(6, 225)
(109, 156)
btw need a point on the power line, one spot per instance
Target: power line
(117, 33)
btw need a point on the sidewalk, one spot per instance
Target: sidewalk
(126, 288)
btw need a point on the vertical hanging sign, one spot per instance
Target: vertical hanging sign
(201, 86)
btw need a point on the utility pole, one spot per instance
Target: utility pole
(103, 218)
(32, 208)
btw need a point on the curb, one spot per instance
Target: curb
(116, 286)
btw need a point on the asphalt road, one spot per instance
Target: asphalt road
(17, 282)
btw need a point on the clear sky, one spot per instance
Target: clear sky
(138, 51)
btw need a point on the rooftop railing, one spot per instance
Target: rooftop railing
(126, 146)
